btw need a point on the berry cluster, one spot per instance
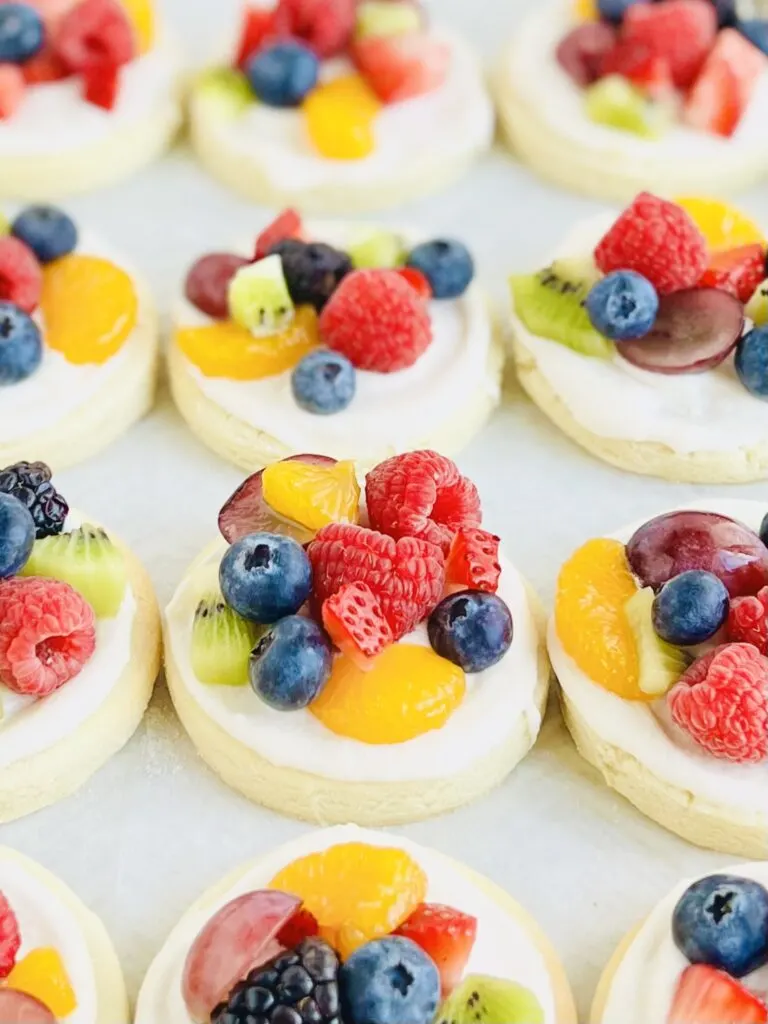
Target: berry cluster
(35, 986)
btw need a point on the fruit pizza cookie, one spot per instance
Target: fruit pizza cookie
(79, 643)
(608, 97)
(646, 339)
(340, 105)
(78, 341)
(353, 340)
(347, 926)
(700, 957)
(347, 656)
(659, 641)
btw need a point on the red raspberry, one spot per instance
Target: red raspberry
(748, 620)
(407, 576)
(47, 634)
(286, 225)
(722, 703)
(377, 320)
(638, 63)
(473, 561)
(657, 239)
(354, 620)
(681, 31)
(10, 937)
(738, 271)
(95, 33)
(421, 494)
(325, 25)
(21, 279)
(258, 26)
(102, 85)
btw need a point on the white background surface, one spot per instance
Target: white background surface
(155, 827)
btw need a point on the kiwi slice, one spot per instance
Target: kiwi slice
(481, 999)
(615, 102)
(88, 561)
(661, 664)
(228, 88)
(386, 18)
(757, 307)
(222, 642)
(376, 249)
(551, 305)
(258, 297)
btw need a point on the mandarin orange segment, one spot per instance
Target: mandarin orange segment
(585, 10)
(724, 226)
(357, 892)
(141, 14)
(42, 974)
(312, 495)
(409, 691)
(89, 307)
(340, 116)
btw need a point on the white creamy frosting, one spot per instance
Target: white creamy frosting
(645, 730)
(503, 947)
(710, 411)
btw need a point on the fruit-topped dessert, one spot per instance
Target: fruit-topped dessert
(355, 340)
(700, 957)
(79, 643)
(78, 340)
(645, 339)
(340, 105)
(609, 97)
(659, 640)
(357, 650)
(348, 926)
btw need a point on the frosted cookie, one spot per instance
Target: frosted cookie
(391, 670)
(659, 641)
(646, 340)
(342, 106)
(87, 94)
(363, 927)
(79, 643)
(349, 339)
(614, 97)
(700, 957)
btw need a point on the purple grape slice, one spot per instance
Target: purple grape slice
(581, 52)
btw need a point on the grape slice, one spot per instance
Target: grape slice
(207, 284)
(19, 1008)
(580, 53)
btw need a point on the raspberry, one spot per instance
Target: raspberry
(257, 27)
(473, 561)
(407, 576)
(325, 25)
(354, 620)
(681, 31)
(748, 621)
(286, 225)
(657, 239)
(10, 937)
(30, 482)
(21, 279)
(722, 703)
(93, 34)
(47, 634)
(377, 320)
(101, 85)
(421, 494)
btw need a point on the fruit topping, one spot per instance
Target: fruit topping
(580, 54)
(101, 85)
(21, 346)
(417, 281)
(622, 305)
(723, 226)
(301, 926)
(17, 535)
(259, 299)
(376, 247)
(283, 74)
(93, 34)
(18, 1008)
(707, 996)
(21, 32)
(757, 307)
(618, 103)
(722, 703)
(10, 937)
(312, 495)
(387, 18)
(681, 31)
(354, 621)
(407, 692)
(389, 980)
(222, 642)
(340, 117)
(737, 271)
(638, 64)
(401, 67)
(42, 975)
(481, 998)
(141, 14)
(291, 664)
(265, 576)
(286, 225)
(326, 25)
(756, 31)
(227, 89)
(46, 66)
(748, 620)
(356, 892)
(660, 663)
(446, 935)
(257, 26)
(472, 629)
(21, 279)
(313, 270)
(47, 231)
(47, 634)
(690, 608)
(614, 11)
(752, 362)
(446, 264)
(12, 89)
(208, 280)
(324, 382)
(473, 560)
(723, 89)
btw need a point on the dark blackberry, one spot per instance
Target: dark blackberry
(30, 482)
(296, 987)
(312, 270)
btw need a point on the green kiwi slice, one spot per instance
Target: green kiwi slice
(228, 88)
(614, 101)
(258, 297)
(222, 642)
(660, 664)
(377, 248)
(481, 999)
(757, 307)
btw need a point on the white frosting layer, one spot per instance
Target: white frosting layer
(503, 948)
(647, 733)
(709, 411)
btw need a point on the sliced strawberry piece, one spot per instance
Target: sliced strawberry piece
(637, 62)
(93, 34)
(708, 996)
(723, 89)
(473, 561)
(101, 85)
(12, 88)
(416, 280)
(285, 225)
(738, 271)
(303, 925)
(326, 26)
(355, 622)
(682, 31)
(446, 935)
(21, 278)
(45, 66)
(258, 25)
(401, 67)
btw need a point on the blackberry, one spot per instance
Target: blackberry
(296, 987)
(313, 270)
(30, 482)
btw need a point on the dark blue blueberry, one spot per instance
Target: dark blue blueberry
(48, 232)
(690, 608)
(764, 530)
(722, 921)
(283, 74)
(291, 664)
(752, 361)
(446, 264)
(623, 305)
(389, 981)
(265, 576)
(614, 10)
(21, 347)
(17, 535)
(756, 31)
(324, 382)
(472, 629)
(21, 33)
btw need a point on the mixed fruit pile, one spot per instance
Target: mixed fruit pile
(345, 935)
(672, 288)
(646, 66)
(318, 594)
(381, 53)
(43, 41)
(680, 615)
(303, 306)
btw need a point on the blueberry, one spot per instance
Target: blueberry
(323, 382)
(447, 265)
(690, 608)
(283, 74)
(756, 31)
(48, 232)
(472, 629)
(614, 10)
(21, 33)
(21, 347)
(752, 361)
(623, 305)
(389, 981)
(265, 576)
(722, 921)
(17, 535)
(291, 664)
(764, 530)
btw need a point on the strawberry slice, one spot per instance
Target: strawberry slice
(12, 88)
(45, 66)
(303, 925)
(354, 620)
(446, 935)
(682, 31)
(638, 63)
(738, 271)
(285, 225)
(708, 996)
(258, 25)
(418, 281)
(101, 85)
(401, 67)
(473, 560)
(724, 87)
